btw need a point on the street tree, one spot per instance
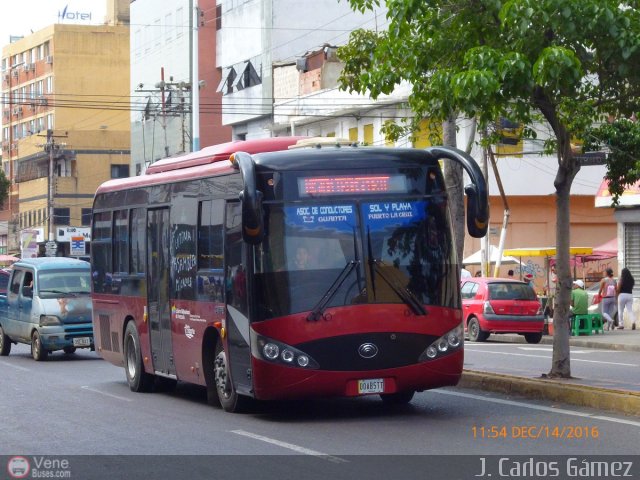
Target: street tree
(568, 64)
(5, 185)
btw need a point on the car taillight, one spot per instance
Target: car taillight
(487, 308)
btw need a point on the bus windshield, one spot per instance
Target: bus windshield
(322, 255)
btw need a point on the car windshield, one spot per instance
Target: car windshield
(61, 283)
(511, 291)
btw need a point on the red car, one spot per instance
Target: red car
(500, 305)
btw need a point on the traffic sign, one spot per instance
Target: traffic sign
(51, 249)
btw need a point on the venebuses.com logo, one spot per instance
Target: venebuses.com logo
(18, 467)
(38, 467)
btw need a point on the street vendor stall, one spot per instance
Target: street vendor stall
(546, 297)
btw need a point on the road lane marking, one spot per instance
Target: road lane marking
(17, 367)
(532, 406)
(291, 446)
(546, 357)
(85, 387)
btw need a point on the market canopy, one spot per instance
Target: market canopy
(476, 258)
(545, 251)
(8, 258)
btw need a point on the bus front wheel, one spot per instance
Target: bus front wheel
(138, 379)
(230, 400)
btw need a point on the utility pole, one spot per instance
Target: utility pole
(51, 148)
(164, 89)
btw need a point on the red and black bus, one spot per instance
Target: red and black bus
(268, 272)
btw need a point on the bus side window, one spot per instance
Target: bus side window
(210, 252)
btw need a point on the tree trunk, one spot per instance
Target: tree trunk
(561, 365)
(453, 181)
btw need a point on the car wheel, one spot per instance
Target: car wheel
(476, 334)
(230, 400)
(37, 350)
(533, 337)
(398, 398)
(5, 344)
(69, 350)
(138, 379)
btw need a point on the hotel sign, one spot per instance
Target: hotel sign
(74, 16)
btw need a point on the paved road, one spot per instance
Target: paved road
(81, 405)
(603, 368)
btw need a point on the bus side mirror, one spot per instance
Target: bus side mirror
(477, 196)
(251, 198)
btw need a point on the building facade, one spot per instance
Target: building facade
(162, 56)
(65, 129)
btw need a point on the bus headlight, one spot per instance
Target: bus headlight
(449, 342)
(270, 351)
(274, 351)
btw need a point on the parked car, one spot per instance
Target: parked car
(500, 305)
(47, 305)
(592, 294)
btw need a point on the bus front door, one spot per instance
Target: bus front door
(158, 271)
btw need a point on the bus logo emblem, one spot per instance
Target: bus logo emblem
(367, 350)
(189, 332)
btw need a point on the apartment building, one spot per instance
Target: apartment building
(65, 128)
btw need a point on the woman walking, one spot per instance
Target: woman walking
(607, 293)
(625, 298)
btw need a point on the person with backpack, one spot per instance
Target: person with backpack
(607, 293)
(625, 298)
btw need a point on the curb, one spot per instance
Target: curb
(619, 401)
(581, 342)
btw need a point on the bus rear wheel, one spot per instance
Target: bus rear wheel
(138, 379)
(230, 400)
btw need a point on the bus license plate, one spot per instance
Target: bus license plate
(371, 385)
(81, 342)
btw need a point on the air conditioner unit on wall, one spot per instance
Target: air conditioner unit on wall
(28, 67)
(17, 110)
(48, 59)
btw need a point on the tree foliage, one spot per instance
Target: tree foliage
(621, 139)
(5, 185)
(567, 63)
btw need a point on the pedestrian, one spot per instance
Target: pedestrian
(510, 274)
(579, 302)
(478, 273)
(607, 293)
(464, 273)
(625, 298)
(528, 279)
(579, 299)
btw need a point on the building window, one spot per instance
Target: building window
(179, 19)
(61, 216)
(86, 217)
(119, 171)
(218, 17)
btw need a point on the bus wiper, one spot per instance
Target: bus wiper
(318, 310)
(404, 293)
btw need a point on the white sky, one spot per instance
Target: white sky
(22, 16)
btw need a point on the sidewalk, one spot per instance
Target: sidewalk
(583, 391)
